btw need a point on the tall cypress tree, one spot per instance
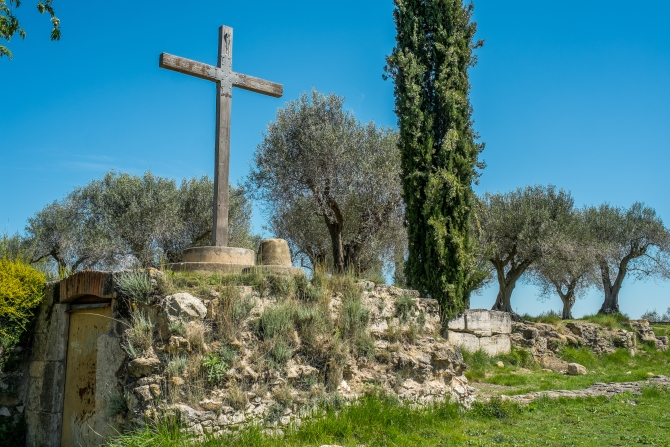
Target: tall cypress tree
(429, 65)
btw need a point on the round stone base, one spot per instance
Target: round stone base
(209, 267)
(222, 255)
(282, 270)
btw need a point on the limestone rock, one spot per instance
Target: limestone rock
(177, 345)
(143, 393)
(144, 366)
(4, 411)
(185, 307)
(496, 345)
(469, 342)
(575, 369)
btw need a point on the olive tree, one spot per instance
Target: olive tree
(569, 269)
(516, 230)
(631, 241)
(316, 159)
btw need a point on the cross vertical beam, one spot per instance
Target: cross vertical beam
(224, 89)
(225, 79)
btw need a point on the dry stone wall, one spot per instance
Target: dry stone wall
(480, 329)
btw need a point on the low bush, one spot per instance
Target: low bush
(139, 335)
(404, 306)
(136, 285)
(21, 291)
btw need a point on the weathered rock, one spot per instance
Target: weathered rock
(575, 369)
(468, 342)
(177, 345)
(155, 390)
(483, 321)
(143, 393)
(495, 345)
(144, 366)
(184, 307)
(274, 252)
(4, 411)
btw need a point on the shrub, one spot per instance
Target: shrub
(233, 309)
(237, 398)
(135, 285)
(21, 291)
(139, 335)
(282, 286)
(404, 306)
(177, 366)
(277, 322)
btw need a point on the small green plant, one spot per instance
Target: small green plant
(404, 306)
(177, 327)
(277, 321)
(177, 365)
(118, 404)
(236, 397)
(135, 285)
(282, 286)
(215, 367)
(280, 352)
(139, 335)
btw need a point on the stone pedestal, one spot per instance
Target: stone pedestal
(274, 258)
(215, 260)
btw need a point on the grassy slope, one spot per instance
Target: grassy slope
(621, 421)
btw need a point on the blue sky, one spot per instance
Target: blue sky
(575, 94)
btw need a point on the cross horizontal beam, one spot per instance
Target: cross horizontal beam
(216, 74)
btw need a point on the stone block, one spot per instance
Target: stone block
(468, 342)
(223, 255)
(274, 252)
(282, 270)
(457, 324)
(495, 345)
(44, 429)
(56, 341)
(488, 320)
(37, 369)
(52, 395)
(575, 369)
(184, 306)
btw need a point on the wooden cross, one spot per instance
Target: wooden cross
(225, 79)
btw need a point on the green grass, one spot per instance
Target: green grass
(611, 321)
(661, 330)
(621, 421)
(521, 373)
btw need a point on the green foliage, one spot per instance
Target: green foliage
(495, 408)
(610, 321)
(518, 229)
(124, 220)
(330, 184)
(404, 306)
(10, 25)
(549, 317)
(378, 421)
(136, 285)
(630, 241)
(21, 291)
(429, 64)
(140, 334)
(215, 367)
